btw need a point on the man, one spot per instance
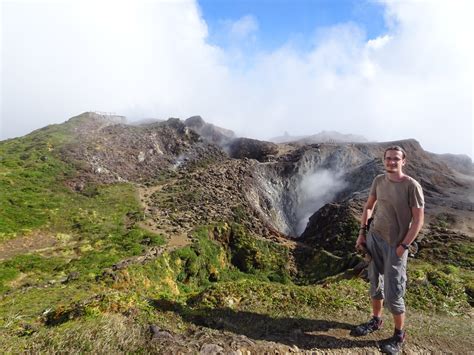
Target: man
(398, 220)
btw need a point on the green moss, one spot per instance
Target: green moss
(257, 256)
(135, 240)
(36, 268)
(7, 274)
(28, 305)
(316, 265)
(202, 262)
(438, 288)
(276, 299)
(32, 262)
(239, 214)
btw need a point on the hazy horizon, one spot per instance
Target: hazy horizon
(384, 70)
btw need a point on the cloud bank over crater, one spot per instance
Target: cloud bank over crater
(148, 59)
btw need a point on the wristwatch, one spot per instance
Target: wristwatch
(405, 246)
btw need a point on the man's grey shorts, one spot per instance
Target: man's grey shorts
(387, 273)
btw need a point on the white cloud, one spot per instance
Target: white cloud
(152, 59)
(378, 42)
(243, 27)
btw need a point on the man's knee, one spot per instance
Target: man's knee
(376, 292)
(395, 306)
(377, 283)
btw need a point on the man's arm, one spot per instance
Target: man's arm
(416, 224)
(368, 210)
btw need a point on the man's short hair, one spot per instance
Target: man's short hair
(395, 147)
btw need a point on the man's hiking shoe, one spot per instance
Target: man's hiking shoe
(367, 328)
(394, 345)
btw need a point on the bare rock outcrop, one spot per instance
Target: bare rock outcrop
(209, 132)
(252, 149)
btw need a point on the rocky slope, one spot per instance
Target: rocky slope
(273, 190)
(193, 240)
(272, 180)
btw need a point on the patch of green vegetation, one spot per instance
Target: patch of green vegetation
(27, 305)
(182, 271)
(111, 249)
(440, 288)
(443, 220)
(185, 270)
(102, 214)
(7, 274)
(316, 265)
(461, 253)
(99, 220)
(193, 268)
(105, 302)
(276, 300)
(256, 256)
(201, 263)
(33, 262)
(32, 176)
(448, 249)
(239, 214)
(38, 269)
(30, 170)
(97, 229)
(110, 333)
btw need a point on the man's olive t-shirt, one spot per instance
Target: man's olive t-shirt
(394, 202)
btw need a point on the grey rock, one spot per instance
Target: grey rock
(158, 334)
(211, 349)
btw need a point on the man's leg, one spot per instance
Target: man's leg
(395, 343)
(376, 289)
(375, 272)
(395, 282)
(377, 307)
(399, 320)
(395, 286)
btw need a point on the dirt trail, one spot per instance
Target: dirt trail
(175, 237)
(26, 243)
(331, 334)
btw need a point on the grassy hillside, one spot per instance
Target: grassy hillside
(78, 274)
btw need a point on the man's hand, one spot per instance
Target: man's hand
(360, 242)
(400, 250)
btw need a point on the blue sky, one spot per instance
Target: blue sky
(384, 69)
(282, 20)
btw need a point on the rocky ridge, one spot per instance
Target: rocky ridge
(258, 179)
(217, 178)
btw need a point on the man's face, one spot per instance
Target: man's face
(393, 161)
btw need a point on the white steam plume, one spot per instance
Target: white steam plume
(316, 189)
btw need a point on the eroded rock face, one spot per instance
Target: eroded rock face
(298, 183)
(277, 187)
(252, 149)
(117, 152)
